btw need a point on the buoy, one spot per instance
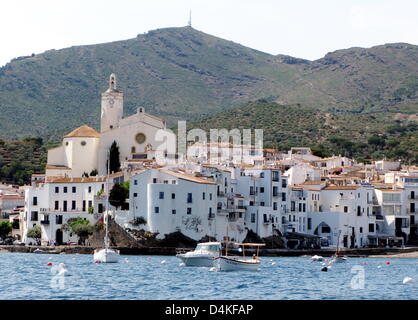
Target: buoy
(97, 261)
(378, 267)
(406, 280)
(387, 262)
(326, 260)
(162, 262)
(50, 258)
(49, 264)
(273, 263)
(325, 269)
(61, 265)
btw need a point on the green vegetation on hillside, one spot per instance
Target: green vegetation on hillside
(20, 159)
(362, 136)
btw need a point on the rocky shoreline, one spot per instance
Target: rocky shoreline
(410, 252)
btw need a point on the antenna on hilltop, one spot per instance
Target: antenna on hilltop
(190, 19)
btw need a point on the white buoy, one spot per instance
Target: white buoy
(273, 263)
(162, 262)
(378, 267)
(181, 264)
(407, 279)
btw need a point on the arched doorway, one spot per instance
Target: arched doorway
(58, 236)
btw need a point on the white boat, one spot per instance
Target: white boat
(317, 258)
(106, 254)
(202, 255)
(235, 263)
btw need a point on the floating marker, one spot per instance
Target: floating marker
(387, 262)
(407, 279)
(181, 264)
(49, 264)
(162, 262)
(325, 269)
(273, 263)
(378, 267)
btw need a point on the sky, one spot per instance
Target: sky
(301, 28)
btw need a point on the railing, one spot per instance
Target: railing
(410, 197)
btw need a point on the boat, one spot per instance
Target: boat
(237, 263)
(202, 255)
(316, 258)
(106, 254)
(338, 257)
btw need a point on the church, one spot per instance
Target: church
(85, 150)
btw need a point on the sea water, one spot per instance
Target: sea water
(76, 276)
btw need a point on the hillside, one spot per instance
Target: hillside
(182, 73)
(363, 136)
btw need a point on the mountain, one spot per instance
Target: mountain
(182, 73)
(362, 136)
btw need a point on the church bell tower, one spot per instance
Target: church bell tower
(112, 106)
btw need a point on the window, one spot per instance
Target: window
(309, 223)
(251, 203)
(189, 198)
(161, 195)
(203, 196)
(84, 205)
(34, 216)
(57, 189)
(90, 203)
(154, 180)
(304, 207)
(371, 227)
(262, 203)
(173, 211)
(73, 205)
(156, 209)
(135, 182)
(275, 191)
(135, 194)
(35, 201)
(100, 207)
(358, 211)
(65, 206)
(189, 210)
(173, 196)
(165, 181)
(275, 175)
(283, 196)
(252, 217)
(56, 205)
(284, 183)
(251, 191)
(274, 205)
(74, 189)
(326, 229)
(58, 219)
(261, 189)
(345, 209)
(65, 189)
(89, 189)
(361, 229)
(262, 175)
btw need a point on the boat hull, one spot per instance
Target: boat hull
(196, 261)
(106, 256)
(235, 264)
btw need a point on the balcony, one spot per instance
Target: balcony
(410, 197)
(44, 221)
(379, 217)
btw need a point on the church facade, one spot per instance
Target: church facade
(84, 149)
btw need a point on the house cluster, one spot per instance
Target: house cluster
(304, 200)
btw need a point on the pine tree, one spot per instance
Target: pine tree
(114, 165)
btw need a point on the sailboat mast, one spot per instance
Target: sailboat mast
(106, 240)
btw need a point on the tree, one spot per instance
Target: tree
(82, 228)
(5, 229)
(118, 195)
(93, 173)
(114, 165)
(35, 232)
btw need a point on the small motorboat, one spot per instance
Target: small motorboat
(316, 258)
(202, 255)
(236, 263)
(39, 251)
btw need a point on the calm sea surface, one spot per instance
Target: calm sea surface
(27, 276)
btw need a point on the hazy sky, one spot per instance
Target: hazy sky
(301, 28)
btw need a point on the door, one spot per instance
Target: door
(58, 236)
